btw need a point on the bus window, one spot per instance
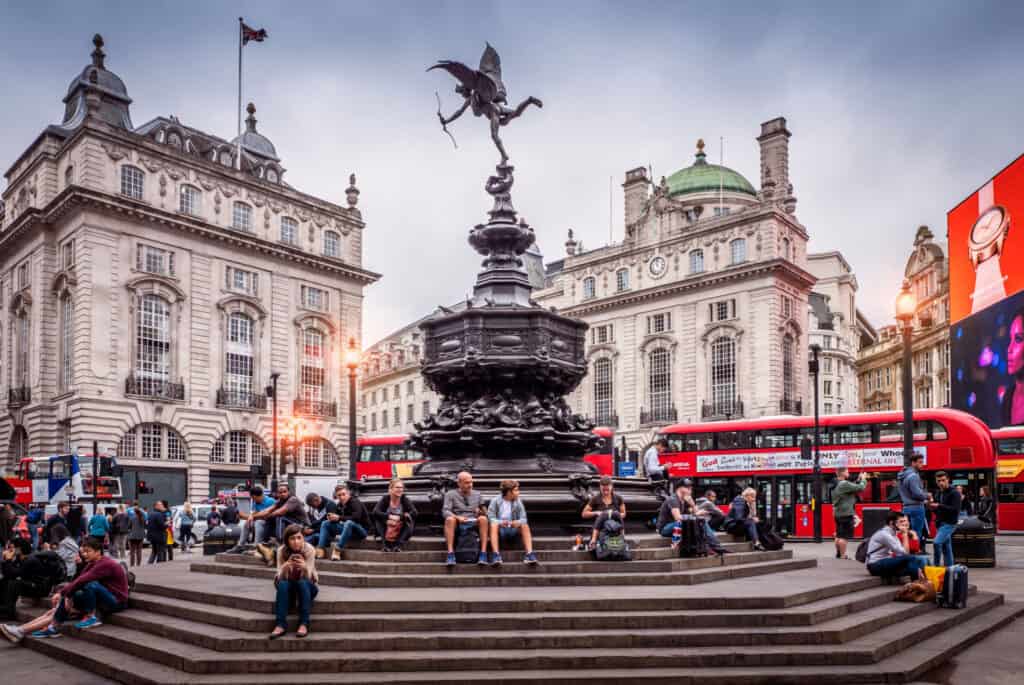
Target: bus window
(1011, 493)
(804, 489)
(733, 440)
(738, 485)
(937, 430)
(851, 435)
(60, 468)
(719, 485)
(893, 432)
(690, 442)
(1010, 446)
(776, 438)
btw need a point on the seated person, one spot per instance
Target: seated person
(652, 464)
(681, 504)
(742, 518)
(394, 517)
(256, 519)
(287, 511)
(16, 551)
(66, 548)
(604, 506)
(296, 581)
(463, 511)
(229, 514)
(708, 506)
(350, 521)
(318, 508)
(507, 517)
(213, 519)
(887, 557)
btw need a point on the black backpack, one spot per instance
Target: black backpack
(611, 543)
(467, 547)
(694, 542)
(44, 568)
(768, 538)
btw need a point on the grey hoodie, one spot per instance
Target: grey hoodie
(911, 490)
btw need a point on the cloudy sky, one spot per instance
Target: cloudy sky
(898, 110)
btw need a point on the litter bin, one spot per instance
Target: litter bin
(220, 539)
(874, 519)
(974, 543)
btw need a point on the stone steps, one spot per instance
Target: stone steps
(515, 555)
(432, 543)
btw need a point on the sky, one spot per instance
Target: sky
(898, 111)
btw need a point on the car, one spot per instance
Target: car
(199, 511)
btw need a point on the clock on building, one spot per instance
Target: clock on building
(657, 266)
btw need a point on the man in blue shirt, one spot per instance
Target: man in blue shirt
(261, 506)
(99, 526)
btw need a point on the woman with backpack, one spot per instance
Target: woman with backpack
(604, 506)
(136, 534)
(186, 520)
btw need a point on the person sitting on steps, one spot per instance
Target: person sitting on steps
(742, 518)
(604, 506)
(296, 581)
(653, 467)
(351, 522)
(679, 505)
(887, 557)
(462, 511)
(256, 520)
(507, 517)
(319, 509)
(708, 506)
(394, 517)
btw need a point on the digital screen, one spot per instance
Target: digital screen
(987, 356)
(986, 244)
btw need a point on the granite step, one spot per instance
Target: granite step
(434, 543)
(872, 648)
(515, 555)
(698, 571)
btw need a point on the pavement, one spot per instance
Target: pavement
(996, 660)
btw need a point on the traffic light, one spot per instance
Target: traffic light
(142, 489)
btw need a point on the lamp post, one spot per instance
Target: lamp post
(296, 448)
(906, 304)
(272, 394)
(812, 366)
(352, 362)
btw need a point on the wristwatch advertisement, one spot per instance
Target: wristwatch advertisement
(985, 244)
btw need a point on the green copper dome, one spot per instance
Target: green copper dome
(703, 177)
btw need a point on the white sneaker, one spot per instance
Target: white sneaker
(12, 633)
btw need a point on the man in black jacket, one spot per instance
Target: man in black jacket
(350, 522)
(318, 508)
(946, 507)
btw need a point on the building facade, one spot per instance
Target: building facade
(879, 365)
(151, 281)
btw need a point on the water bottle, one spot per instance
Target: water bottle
(677, 535)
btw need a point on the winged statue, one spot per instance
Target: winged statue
(484, 92)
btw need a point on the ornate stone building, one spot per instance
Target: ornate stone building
(879, 365)
(150, 283)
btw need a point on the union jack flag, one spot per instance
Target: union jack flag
(249, 33)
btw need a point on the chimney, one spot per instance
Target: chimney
(635, 193)
(570, 245)
(774, 141)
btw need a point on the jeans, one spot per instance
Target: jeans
(259, 526)
(894, 567)
(915, 514)
(666, 532)
(135, 552)
(87, 599)
(33, 533)
(344, 530)
(748, 526)
(944, 544)
(158, 551)
(304, 591)
(117, 545)
(185, 536)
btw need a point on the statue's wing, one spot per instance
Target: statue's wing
(460, 71)
(490, 66)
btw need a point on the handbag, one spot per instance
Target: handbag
(935, 575)
(393, 530)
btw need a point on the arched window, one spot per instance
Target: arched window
(604, 399)
(153, 345)
(332, 244)
(659, 384)
(19, 444)
(311, 375)
(67, 315)
(723, 376)
(738, 251)
(189, 200)
(152, 441)
(22, 344)
(241, 217)
(272, 175)
(696, 261)
(788, 384)
(589, 287)
(132, 181)
(225, 158)
(318, 453)
(289, 230)
(238, 447)
(239, 359)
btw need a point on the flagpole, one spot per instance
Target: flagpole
(238, 153)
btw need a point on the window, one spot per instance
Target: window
(828, 408)
(289, 230)
(659, 384)
(398, 391)
(132, 180)
(827, 365)
(723, 310)
(311, 373)
(786, 253)
(827, 388)
(383, 394)
(241, 447)
(426, 409)
(373, 422)
(697, 261)
(603, 398)
(788, 369)
(622, 280)
(315, 298)
(241, 217)
(152, 440)
(659, 323)
(787, 307)
(589, 287)
(602, 334)
(69, 175)
(23, 279)
(154, 260)
(410, 414)
(126, 449)
(240, 280)
(318, 453)
(384, 419)
(839, 389)
(175, 446)
(410, 388)
(153, 341)
(189, 200)
(722, 211)
(723, 375)
(67, 314)
(826, 342)
(373, 397)
(67, 254)
(23, 340)
(738, 251)
(332, 244)
(239, 356)
(225, 158)
(397, 411)
(888, 375)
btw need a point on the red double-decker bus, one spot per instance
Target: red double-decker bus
(1009, 443)
(385, 456)
(765, 454)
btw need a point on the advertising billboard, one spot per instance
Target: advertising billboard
(986, 244)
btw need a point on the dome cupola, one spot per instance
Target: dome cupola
(254, 142)
(98, 92)
(702, 177)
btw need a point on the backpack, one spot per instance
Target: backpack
(954, 588)
(768, 538)
(861, 554)
(467, 547)
(611, 543)
(129, 576)
(43, 571)
(694, 542)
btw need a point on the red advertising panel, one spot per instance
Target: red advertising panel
(986, 244)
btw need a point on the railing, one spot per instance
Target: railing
(722, 410)
(607, 419)
(240, 399)
(662, 415)
(791, 406)
(316, 408)
(19, 396)
(154, 388)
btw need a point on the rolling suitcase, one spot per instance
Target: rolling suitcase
(954, 588)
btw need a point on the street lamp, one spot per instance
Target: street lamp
(352, 362)
(296, 447)
(813, 366)
(906, 305)
(272, 394)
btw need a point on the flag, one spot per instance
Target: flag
(249, 33)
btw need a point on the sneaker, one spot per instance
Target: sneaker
(12, 633)
(496, 560)
(482, 559)
(530, 559)
(335, 553)
(450, 560)
(321, 553)
(396, 549)
(89, 622)
(758, 546)
(47, 632)
(266, 552)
